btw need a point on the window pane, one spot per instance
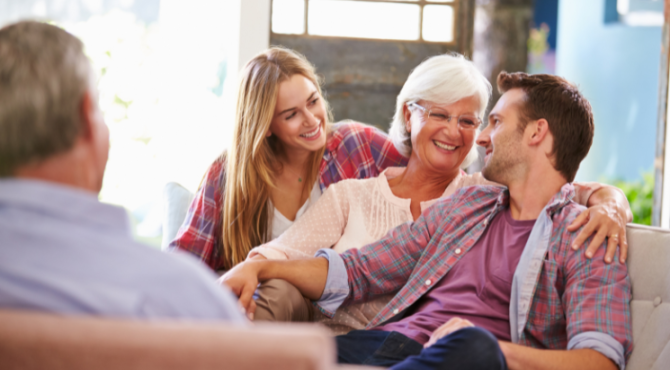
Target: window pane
(288, 16)
(438, 23)
(364, 19)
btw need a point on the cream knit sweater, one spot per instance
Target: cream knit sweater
(354, 213)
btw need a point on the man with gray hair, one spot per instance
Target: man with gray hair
(62, 250)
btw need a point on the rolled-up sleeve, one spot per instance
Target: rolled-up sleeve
(601, 342)
(337, 284)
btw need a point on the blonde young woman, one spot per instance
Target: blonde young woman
(284, 153)
(439, 111)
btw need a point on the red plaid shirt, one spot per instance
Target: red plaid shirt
(572, 295)
(353, 151)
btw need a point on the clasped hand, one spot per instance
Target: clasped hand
(243, 281)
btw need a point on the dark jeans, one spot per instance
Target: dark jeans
(468, 348)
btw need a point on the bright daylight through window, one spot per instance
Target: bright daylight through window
(419, 20)
(161, 91)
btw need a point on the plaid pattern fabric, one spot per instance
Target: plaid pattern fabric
(573, 294)
(353, 151)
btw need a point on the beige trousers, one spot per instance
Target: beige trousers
(279, 300)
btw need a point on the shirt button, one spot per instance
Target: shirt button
(428, 282)
(458, 251)
(395, 312)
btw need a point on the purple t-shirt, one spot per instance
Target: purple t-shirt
(477, 288)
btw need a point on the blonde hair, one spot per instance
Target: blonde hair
(252, 162)
(442, 79)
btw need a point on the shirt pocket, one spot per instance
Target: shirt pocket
(497, 290)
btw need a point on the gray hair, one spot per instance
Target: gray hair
(43, 77)
(442, 79)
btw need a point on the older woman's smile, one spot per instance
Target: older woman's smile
(445, 146)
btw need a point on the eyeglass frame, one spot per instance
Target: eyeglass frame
(449, 117)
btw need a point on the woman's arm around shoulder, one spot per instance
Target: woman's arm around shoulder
(358, 151)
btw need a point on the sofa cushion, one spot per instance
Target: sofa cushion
(649, 269)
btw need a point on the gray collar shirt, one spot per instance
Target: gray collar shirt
(63, 251)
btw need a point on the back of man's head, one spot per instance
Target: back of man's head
(44, 75)
(567, 112)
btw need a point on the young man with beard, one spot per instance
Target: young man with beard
(485, 279)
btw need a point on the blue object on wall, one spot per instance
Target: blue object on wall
(611, 13)
(546, 11)
(617, 69)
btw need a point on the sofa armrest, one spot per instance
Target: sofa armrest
(44, 341)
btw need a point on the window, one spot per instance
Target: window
(410, 20)
(635, 13)
(162, 68)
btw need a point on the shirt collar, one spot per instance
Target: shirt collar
(64, 202)
(558, 201)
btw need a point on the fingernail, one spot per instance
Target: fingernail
(574, 247)
(589, 254)
(608, 260)
(251, 316)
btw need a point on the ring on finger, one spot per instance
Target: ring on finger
(614, 236)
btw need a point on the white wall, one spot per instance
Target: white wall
(250, 21)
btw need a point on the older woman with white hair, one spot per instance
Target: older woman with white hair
(439, 111)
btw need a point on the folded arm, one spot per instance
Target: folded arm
(385, 266)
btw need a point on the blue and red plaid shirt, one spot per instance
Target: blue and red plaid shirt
(560, 299)
(353, 151)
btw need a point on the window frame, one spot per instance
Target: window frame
(454, 4)
(661, 204)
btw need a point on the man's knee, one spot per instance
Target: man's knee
(476, 346)
(279, 300)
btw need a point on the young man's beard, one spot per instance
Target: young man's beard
(502, 167)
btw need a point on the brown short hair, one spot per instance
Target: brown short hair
(565, 109)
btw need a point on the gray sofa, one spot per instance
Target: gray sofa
(649, 269)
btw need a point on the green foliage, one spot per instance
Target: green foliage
(640, 195)
(537, 41)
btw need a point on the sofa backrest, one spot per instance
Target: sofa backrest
(176, 200)
(649, 269)
(43, 341)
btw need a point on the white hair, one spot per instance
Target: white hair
(442, 79)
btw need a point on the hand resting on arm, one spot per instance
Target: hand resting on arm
(308, 275)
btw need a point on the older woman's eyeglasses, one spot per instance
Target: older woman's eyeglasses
(464, 121)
